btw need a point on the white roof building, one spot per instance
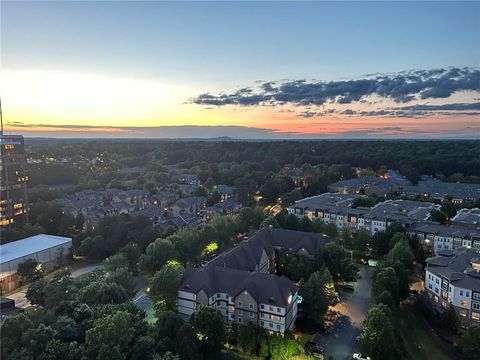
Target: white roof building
(46, 249)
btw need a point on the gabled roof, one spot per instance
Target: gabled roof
(264, 288)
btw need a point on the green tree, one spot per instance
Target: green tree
(437, 215)
(165, 283)
(36, 292)
(12, 330)
(386, 280)
(470, 342)
(335, 259)
(250, 338)
(280, 347)
(377, 339)
(188, 347)
(102, 292)
(270, 221)
(34, 340)
(65, 329)
(386, 298)
(450, 320)
(114, 331)
(165, 330)
(291, 222)
(156, 255)
(315, 301)
(29, 270)
(209, 325)
(402, 252)
(58, 350)
(143, 348)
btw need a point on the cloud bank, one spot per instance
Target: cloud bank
(400, 88)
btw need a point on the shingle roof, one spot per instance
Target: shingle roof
(457, 267)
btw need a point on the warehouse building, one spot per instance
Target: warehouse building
(46, 249)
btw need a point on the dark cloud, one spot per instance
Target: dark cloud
(418, 110)
(400, 87)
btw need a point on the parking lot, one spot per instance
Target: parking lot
(347, 317)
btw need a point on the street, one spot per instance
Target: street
(347, 317)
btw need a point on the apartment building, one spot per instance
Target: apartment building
(453, 278)
(430, 187)
(13, 181)
(241, 283)
(337, 208)
(442, 237)
(243, 297)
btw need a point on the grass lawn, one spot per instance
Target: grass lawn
(419, 340)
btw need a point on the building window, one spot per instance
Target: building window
(467, 293)
(475, 316)
(218, 296)
(430, 286)
(278, 327)
(279, 310)
(262, 323)
(240, 320)
(251, 315)
(461, 292)
(250, 306)
(262, 306)
(271, 308)
(475, 306)
(271, 325)
(239, 304)
(240, 312)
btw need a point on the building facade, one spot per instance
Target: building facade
(338, 209)
(13, 181)
(452, 278)
(48, 250)
(241, 282)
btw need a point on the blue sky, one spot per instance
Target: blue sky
(223, 46)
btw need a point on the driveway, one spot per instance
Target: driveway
(20, 295)
(347, 318)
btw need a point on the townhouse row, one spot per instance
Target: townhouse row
(338, 209)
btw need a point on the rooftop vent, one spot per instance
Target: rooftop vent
(271, 300)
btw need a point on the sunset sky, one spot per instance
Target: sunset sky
(241, 69)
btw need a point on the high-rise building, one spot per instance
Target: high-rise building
(13, 180)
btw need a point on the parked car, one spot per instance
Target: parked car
(347, 286)
(326, 329)
(360, 357)
(313, 348)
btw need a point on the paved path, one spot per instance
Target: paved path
(20, 296)
(347, 317)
